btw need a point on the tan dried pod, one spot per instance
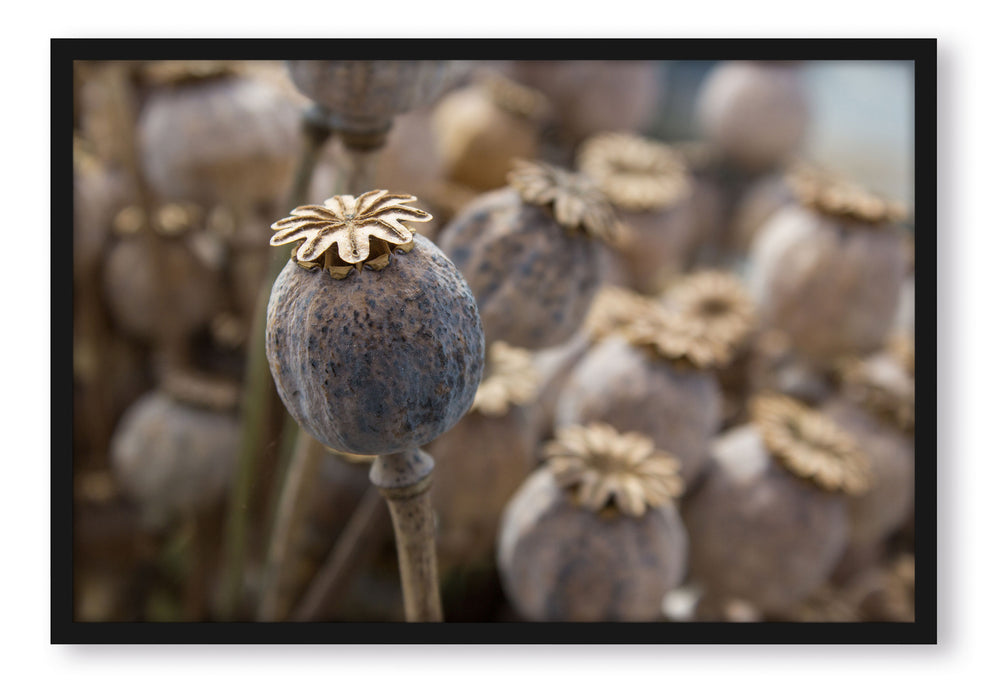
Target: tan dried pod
(98, 193)
(769, 522)
(494, 449)
(652, 374)
(156, 284)
(532, 253)
(483, 127)
(589, 97)
(174, 449)
(650, 187)
(713, 192)
(755, 112)
(829, 271)
(218, 135)
(876, 406)
(594, 535)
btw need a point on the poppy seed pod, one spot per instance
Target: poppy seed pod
(362, 97)
(652, 373)
(589, 97)
(530, 254)
(163, 285)
(828, 271)
(650, 187)
(372, 353)
(175, 448)
(224, 138)
(494, 450)
(876, 406)
(755, 112)
(593, 535)
(483, 127)
(768, 523)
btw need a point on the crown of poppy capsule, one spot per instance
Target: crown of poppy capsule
(513, 380)
(350, 232)
(810, 445)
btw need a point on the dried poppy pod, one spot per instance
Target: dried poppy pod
(718, 300)
(532, 253)
(174, 449)
(876, 406)
(483, 127)
(757, 204)
(156, 284)
(218, 136)
(650, 187)
(755, 112)
(494, 450)
(362, 97)
(589, 97)
(98, 192)
(769, 522)
(652, 374)
(593, 535)
(828, 272)
(378, 360)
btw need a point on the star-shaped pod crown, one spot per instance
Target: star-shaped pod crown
(575, 200)
(513, 380)
(350, 232)
(835, 196)
(603, 468)
(810, 445)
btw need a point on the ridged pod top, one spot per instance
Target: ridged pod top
(810, 445)
(350, 232)
(575, 200)
(834, 196)
(604, 467)
(512, 380)
(635, 173)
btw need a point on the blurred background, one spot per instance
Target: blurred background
(181, 452)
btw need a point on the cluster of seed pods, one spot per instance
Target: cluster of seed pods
(586, 372)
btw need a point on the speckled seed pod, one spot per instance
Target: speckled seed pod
(650, 187)
(593, 535)
(653, 373)
(494, 450)
(364, 96)
(769, 523)
(228, 138)
(529, 252)
(876, 407)
(186, 297)
(755, 112)
(483, 127)
(828, 272)
(174, 449)
(593, 96)
(372, 353)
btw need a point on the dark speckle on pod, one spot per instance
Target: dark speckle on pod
(533, 278)
(381, 361)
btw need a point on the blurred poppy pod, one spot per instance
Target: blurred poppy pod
(593, 535)
(650, 187)
(174, 449)
(769, 522)
(828, 271)
(589, 97)
(532, 253)
(652, 373)
(483, 127)
(220, 135)
(362, 97)
(372, 352)
(754, 112)
(494, 449)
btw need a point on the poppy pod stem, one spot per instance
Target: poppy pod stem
(405, 480)
(260, 399)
